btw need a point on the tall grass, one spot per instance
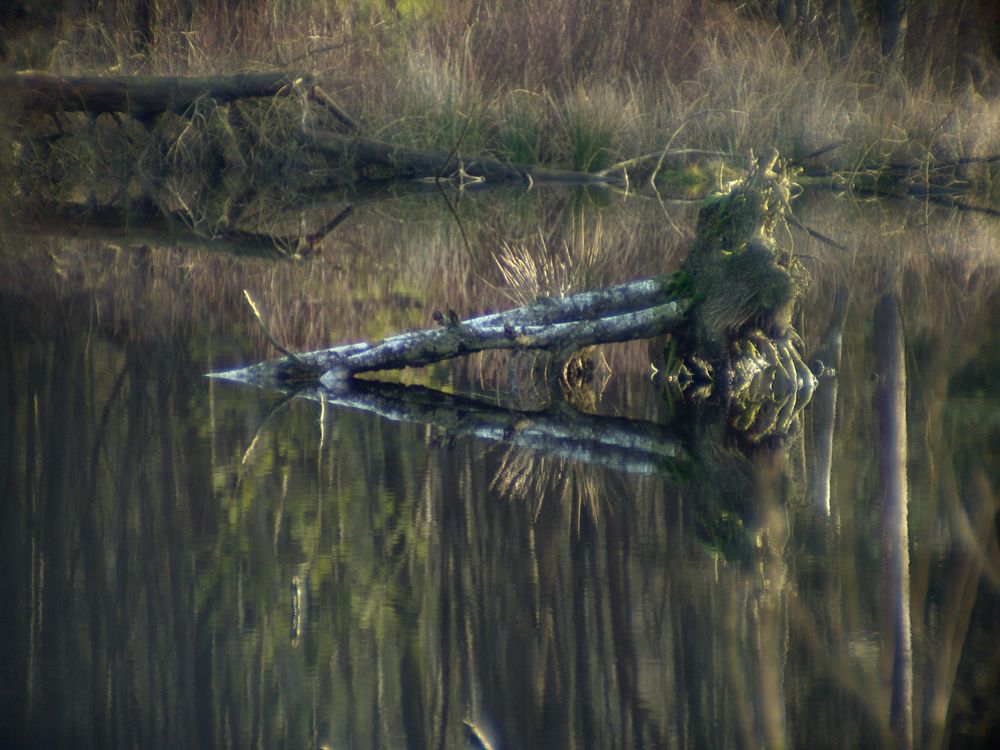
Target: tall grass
(574, 83)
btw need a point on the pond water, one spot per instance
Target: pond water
(191, 563)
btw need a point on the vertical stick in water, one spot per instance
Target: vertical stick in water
(891, 368)
(825, 406)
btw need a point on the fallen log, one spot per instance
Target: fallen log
(145, 96)
(412, 163)
(729, 311)
(564, 325)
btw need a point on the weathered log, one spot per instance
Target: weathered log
(145, 96)
(639, 309)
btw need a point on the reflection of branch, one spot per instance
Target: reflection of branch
(260, 429)
(891, 368)
(151, 227)
(825, 410)
(980, 544)
(632, 446)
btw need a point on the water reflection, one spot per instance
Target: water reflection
(186, 566)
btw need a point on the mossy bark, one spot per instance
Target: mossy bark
(741, 277)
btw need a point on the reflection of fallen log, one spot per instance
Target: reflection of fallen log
(631, 446)
(890, 364)
(153, 227)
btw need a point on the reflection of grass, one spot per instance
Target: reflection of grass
(423, 584)
(392, 265)
(527, 477)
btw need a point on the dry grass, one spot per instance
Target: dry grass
(580, 84)
(577, 83)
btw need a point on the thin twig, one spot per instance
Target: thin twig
(274, 342)
(458, 144)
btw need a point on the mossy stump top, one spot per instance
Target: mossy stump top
(740, 277)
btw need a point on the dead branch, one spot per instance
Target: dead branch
(564, 325)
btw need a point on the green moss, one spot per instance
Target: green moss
(680, 283)
(692, 180)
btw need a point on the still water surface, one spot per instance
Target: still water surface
(188, 563)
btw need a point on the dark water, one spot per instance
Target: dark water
(188, 563)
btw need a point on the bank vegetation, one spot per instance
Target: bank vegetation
(872, 97)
